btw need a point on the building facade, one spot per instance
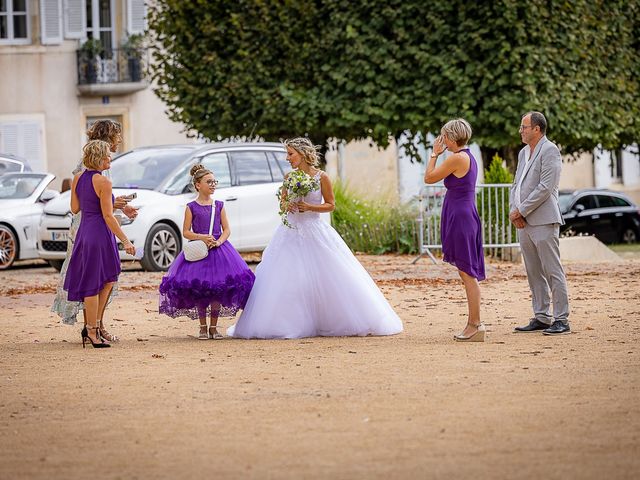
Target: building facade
(68, 63)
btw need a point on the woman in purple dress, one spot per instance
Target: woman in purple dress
(95, 264)
(461, 230)
(219, 283)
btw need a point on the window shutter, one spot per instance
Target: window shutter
(136, 16)
(24, 139)
(51, 22)
(9, 138)
(75, 19)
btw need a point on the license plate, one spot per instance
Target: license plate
(60, 236)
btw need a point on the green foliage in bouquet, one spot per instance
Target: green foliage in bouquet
(296, 185)
(373, 226)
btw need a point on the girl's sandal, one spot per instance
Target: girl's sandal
(203, 335)
(215, 335)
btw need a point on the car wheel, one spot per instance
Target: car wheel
(8, 247)
(161, 248)
(57, 264)
(629, 235)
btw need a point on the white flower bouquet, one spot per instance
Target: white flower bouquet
(297, 185)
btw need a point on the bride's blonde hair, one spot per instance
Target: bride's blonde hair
(306, 149)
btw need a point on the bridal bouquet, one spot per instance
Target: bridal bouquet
(296, 185)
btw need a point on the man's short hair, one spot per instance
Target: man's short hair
(538, 120)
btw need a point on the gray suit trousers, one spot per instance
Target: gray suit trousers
(540, 247)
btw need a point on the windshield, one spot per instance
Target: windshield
(148, 168)
(7, 166)
(18, 186)
(564, 199)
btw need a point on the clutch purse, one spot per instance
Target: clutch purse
(195, 250)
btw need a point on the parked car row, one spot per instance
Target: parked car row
(35, 221)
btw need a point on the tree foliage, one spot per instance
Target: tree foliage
(374, 68)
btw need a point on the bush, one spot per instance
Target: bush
(373, 226)
(493, 205)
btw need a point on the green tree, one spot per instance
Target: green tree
(377, 68)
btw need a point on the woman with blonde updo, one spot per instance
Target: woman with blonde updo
(95, 263)
(220, 282)
(309, 283)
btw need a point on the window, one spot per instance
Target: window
(250, 168)
(100, 23)
(14, 22)
(146, 168)
(620, 202)
(616, 165)
(588, 202)
(605, 201)
(18, 186)
(279, 165)
(218, 163)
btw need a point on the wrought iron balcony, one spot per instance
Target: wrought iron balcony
(112, 72)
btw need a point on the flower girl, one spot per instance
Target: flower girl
(309, 283)
(221, 281)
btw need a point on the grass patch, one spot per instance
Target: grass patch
(374, 226)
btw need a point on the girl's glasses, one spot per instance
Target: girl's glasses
(212, 183)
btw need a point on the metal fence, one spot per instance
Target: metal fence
(492, 200)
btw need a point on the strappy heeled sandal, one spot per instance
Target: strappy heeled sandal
(106, 335)
(98, 343)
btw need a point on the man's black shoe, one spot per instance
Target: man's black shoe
(558, 328)
(535, 325)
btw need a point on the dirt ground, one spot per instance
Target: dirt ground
(161, 404)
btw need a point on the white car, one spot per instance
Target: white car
(249, 175)
(22, 199)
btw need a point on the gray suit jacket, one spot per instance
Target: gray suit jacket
(539, 190)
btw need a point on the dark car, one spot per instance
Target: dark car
(611, 216)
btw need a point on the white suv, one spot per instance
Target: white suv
(249, 175)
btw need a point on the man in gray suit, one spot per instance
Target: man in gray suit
(534, 210)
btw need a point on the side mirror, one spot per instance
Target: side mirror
(578, 208)
(48, 195)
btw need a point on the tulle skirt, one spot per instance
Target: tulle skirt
(310, 284)
(222, 280)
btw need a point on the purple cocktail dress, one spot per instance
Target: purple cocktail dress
(461, 230)
(94, 261)
(222, 277)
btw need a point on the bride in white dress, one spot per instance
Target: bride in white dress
(309, 283)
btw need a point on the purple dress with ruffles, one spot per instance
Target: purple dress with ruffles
(461, 230)
(222, 277)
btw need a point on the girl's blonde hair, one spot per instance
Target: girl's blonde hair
(106, 130)
(304, 147)
(94, 152)
(457, 130)
(197, 172)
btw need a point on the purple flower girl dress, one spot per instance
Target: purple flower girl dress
(223, 277)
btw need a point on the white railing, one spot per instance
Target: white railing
(492, 200)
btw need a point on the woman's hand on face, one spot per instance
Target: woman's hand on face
(438, 145)
(130, 212)
(120, 202)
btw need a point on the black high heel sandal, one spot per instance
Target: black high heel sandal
(85, 337)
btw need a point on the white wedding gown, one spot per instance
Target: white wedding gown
(309, 284)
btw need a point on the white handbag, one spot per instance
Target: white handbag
(195, 250)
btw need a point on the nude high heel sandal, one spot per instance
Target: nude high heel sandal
(478, 336)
